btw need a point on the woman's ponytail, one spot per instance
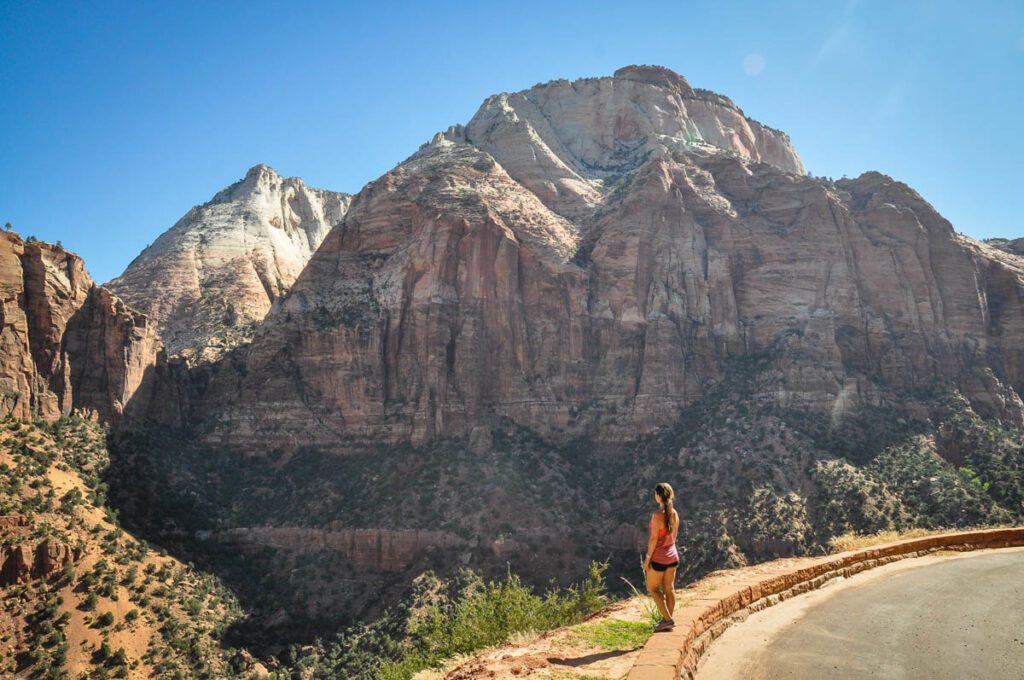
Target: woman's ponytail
(665, 493)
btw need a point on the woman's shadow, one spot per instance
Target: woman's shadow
(589, 658)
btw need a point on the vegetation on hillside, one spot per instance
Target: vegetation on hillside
(757, 481)
(125, 609)
(754, 480)
(174, 489)
(121, 608)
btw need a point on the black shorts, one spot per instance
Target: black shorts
(658, 566)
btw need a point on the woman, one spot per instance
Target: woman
(662, 556)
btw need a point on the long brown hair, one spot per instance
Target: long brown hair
(666, 495)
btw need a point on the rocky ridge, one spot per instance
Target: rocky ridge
(368, 550)
(23, 561)
(211, 277)
(1013, 246)
(567, 142)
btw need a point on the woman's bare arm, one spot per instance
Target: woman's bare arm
(652, 539)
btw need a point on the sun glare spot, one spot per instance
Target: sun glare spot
(753, 64)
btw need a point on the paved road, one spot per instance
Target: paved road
(936, 618)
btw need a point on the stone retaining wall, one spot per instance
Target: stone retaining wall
(675, 654)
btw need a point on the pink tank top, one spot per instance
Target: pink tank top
(665, 549)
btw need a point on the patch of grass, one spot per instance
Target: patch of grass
(614, 634)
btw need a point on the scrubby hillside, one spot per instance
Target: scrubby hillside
(80, 596)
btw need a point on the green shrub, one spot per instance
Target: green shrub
(487, 612)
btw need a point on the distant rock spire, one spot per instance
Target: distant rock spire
(209, 278)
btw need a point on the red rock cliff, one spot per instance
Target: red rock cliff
(585, 287)
(66, 343)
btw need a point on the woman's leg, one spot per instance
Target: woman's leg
(654, 588)
(668, 584)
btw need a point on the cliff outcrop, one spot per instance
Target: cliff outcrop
(21, 563)
(66, 343)
(22, 559)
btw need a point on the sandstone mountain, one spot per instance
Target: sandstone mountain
(208, 279)
(589, 288)
(584, 258)
(65, 343)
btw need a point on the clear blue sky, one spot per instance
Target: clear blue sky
(116, 118)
